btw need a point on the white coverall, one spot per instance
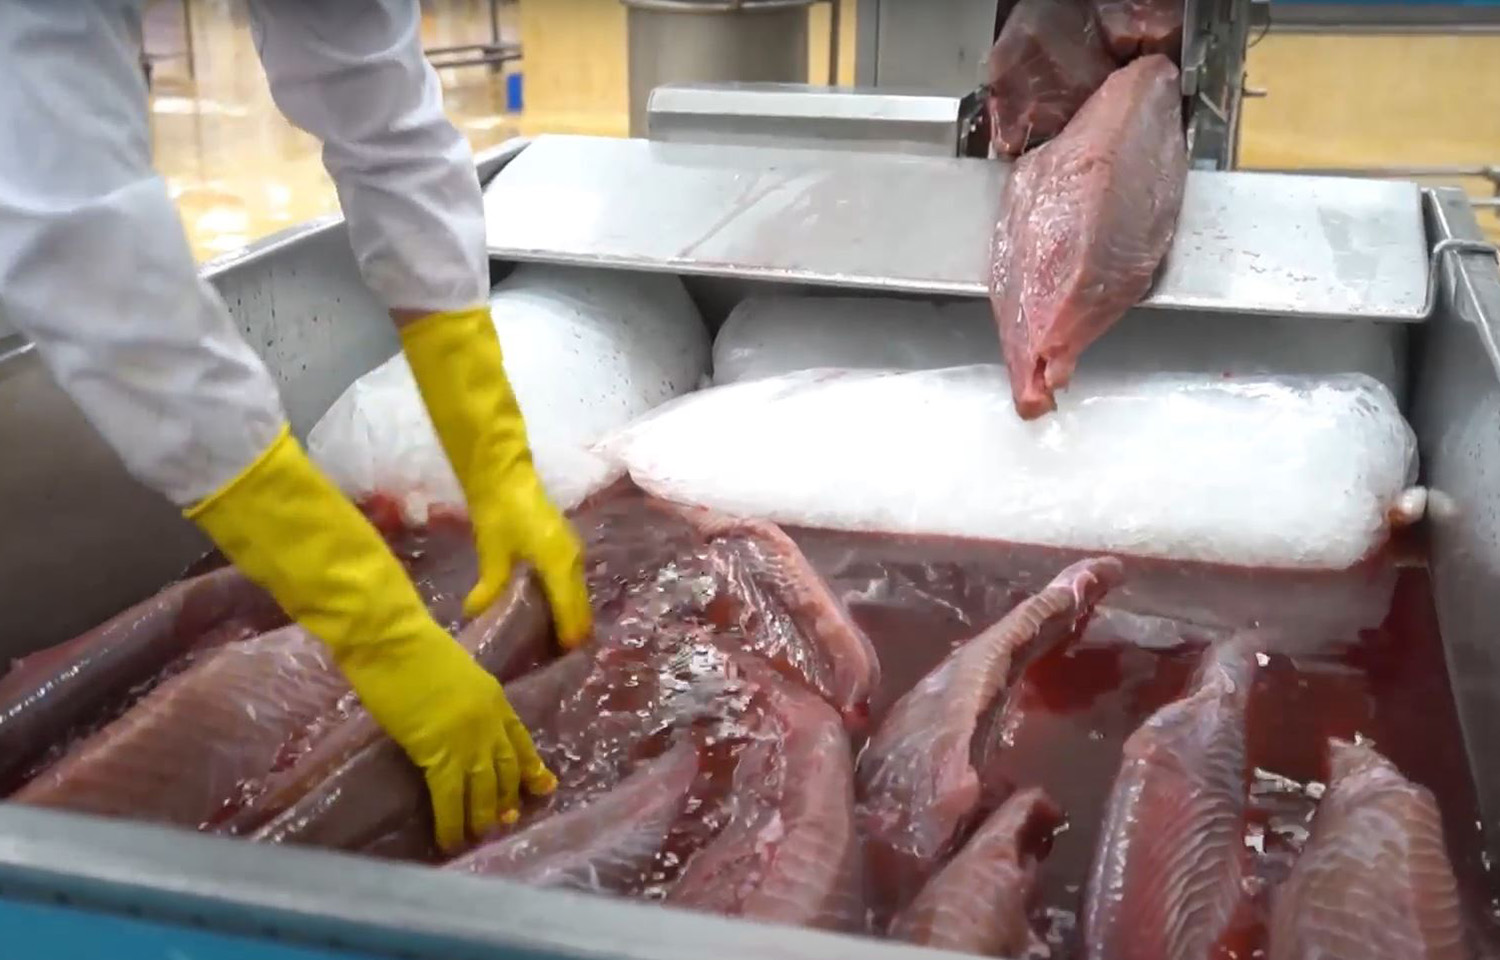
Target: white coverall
(95, 267)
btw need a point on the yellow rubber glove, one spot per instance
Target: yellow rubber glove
(289, 529)
(455, 358)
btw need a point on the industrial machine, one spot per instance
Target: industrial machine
(860, 191)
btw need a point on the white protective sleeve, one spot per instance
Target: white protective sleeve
(352, 73)
(95, 266)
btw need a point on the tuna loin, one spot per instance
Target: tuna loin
(1134, 28)
(978, 902)
(787, 614)
(1374, 880)
(918, 788)
(190, 747)
(606, 846)
(789, 853)
(1087, 219)
(377, 799)
(1049, 58)
(1166, 877)
(507, 640)
(74, 685)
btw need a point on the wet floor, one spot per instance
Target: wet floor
(237, 168)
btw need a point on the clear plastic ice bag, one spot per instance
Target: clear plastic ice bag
(585, 350)
(771, 336)
(1268, 471)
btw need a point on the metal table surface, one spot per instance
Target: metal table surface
(1248, 244)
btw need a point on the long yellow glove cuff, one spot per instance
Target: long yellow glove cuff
(289, 529)
(456, 360)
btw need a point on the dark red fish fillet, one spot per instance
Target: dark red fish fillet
(918, 787)
(1050, 57)
(978, 902)
(787, 614)
(508, 640)
(1087, 219)
(378, 798)
(1135, 28)
(606, 846)
(192, 745)
(1374, 880)
(50, 695)
(627, 541)
(789, 853)
(1166, 877)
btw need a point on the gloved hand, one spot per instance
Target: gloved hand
(456, 360)
(289, 529)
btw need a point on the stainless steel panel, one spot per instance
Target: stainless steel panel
(1247, 243)
(798, 115)
(1457, 418)
(81, 538)
(936, 45)
(385, 909)
(676, 42)
(298, 299)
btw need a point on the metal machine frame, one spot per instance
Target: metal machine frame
(940, 46)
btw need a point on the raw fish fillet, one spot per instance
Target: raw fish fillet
(189, 747)
(1374, 880)
(509, 639)
(1087, 219)
(789, 853)
(628, 540)
(978, 902)
(1135, 28)
(606, 846)
(377, 799)
(1166, 877)
(1049, 58)
(355, 790)
(918, 788)
(788, 615)
(53, 692)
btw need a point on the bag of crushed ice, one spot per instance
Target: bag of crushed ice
(1257, 471)
(771, 336)
(585, 350)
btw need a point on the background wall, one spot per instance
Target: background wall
(239, 170)
(1376, 99)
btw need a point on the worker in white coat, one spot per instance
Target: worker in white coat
(95, 269)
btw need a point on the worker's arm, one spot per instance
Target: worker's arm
(352, 73)
(95, 269)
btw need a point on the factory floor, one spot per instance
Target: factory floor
(240, 171)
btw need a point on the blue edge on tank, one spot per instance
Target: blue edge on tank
(48, 932)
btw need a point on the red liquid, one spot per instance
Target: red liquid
(1384, 679)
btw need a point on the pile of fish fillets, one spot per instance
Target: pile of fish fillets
(1087, 216)
(715, 751)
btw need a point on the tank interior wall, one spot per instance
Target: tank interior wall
(1456, 413)
(81, 539)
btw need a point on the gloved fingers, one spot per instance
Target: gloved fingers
(484, 794)
(535, 776)
(445, 782)
(561, 569)
(507, 770)
(494, 573)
